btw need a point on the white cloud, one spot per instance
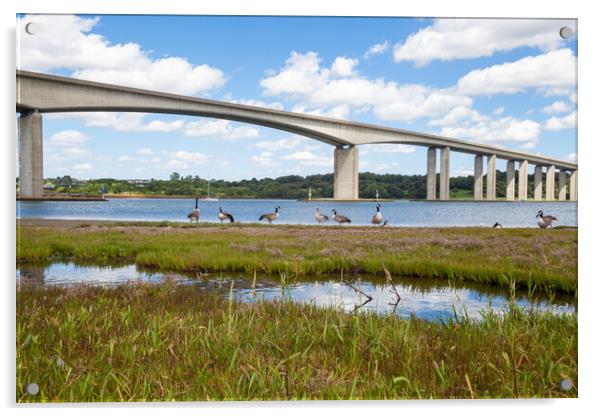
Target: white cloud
(182, 159)
(192, 157)
(300, 76)
(65, 146)
(125, 158)
(462, 171)
(264, 160)
(340, 111)
(74, 153)
(498, 111)
(557, 107)
(145, 151)
(307, 158)
(68, 138)
(257, 103)
(219, 129)
(461, 115)
(561, 123)
(343, 67)
(289, 143)
(571, 157)
(162, 126)
(553, 73)
(154, 160)
(392, 148)
(449, 39)
(303, 80)
(377, 49)
(490, 130)
(67, 42)
(176, 164)
(122, 121)
(384, 167)
(82, 167)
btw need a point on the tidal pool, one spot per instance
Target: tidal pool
(431, 299)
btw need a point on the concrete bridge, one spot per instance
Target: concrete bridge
(41, 93)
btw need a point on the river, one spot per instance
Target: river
(398, 213)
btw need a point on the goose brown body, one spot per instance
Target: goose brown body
(224, 215)
(340, 219)
(545, 221)
(321, 218)
(378, 217)
(271, 216)
(196, 213)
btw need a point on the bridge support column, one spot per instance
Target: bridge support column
(31, 155)
(562, 185)
(510, 180)
(491, 159)
(346, 177)
(444, 175)
(537, 186)
(523, 180)
(573, 186)
(550, 182)
(431, 174)
(478, 178)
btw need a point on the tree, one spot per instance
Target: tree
(174, 176)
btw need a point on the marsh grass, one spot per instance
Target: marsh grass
(533, 259)
(170, 342)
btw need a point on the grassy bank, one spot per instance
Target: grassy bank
(526, 257)
(167, 342)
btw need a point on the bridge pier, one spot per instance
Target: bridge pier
(537, 186)
(491, 159)
(346, 176)
(444, 175)
(562, 185)
(550, 182)
(573, 186)
(431, 174)
(510, 180)
(478, 178)
(523, 180)
(31, 155)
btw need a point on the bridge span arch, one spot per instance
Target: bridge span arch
(42, 93)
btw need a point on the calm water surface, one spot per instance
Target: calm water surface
(399, 213)
(426, 298)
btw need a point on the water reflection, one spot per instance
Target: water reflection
(429, 299)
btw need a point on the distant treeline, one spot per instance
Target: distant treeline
(286, 187)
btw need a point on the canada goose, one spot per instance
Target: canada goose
(321, 218)
(271, 216)
(339, 218)
(224, 215)
(544, 221)
(194, 215)
(378, 217)
(497, 225)
(385, 224)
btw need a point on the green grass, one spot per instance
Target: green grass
(529, 258)
(171, 342)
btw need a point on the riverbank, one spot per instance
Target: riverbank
(61, 198)
(531, 258)
(167, 342)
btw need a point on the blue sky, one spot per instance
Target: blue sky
(509, 83)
